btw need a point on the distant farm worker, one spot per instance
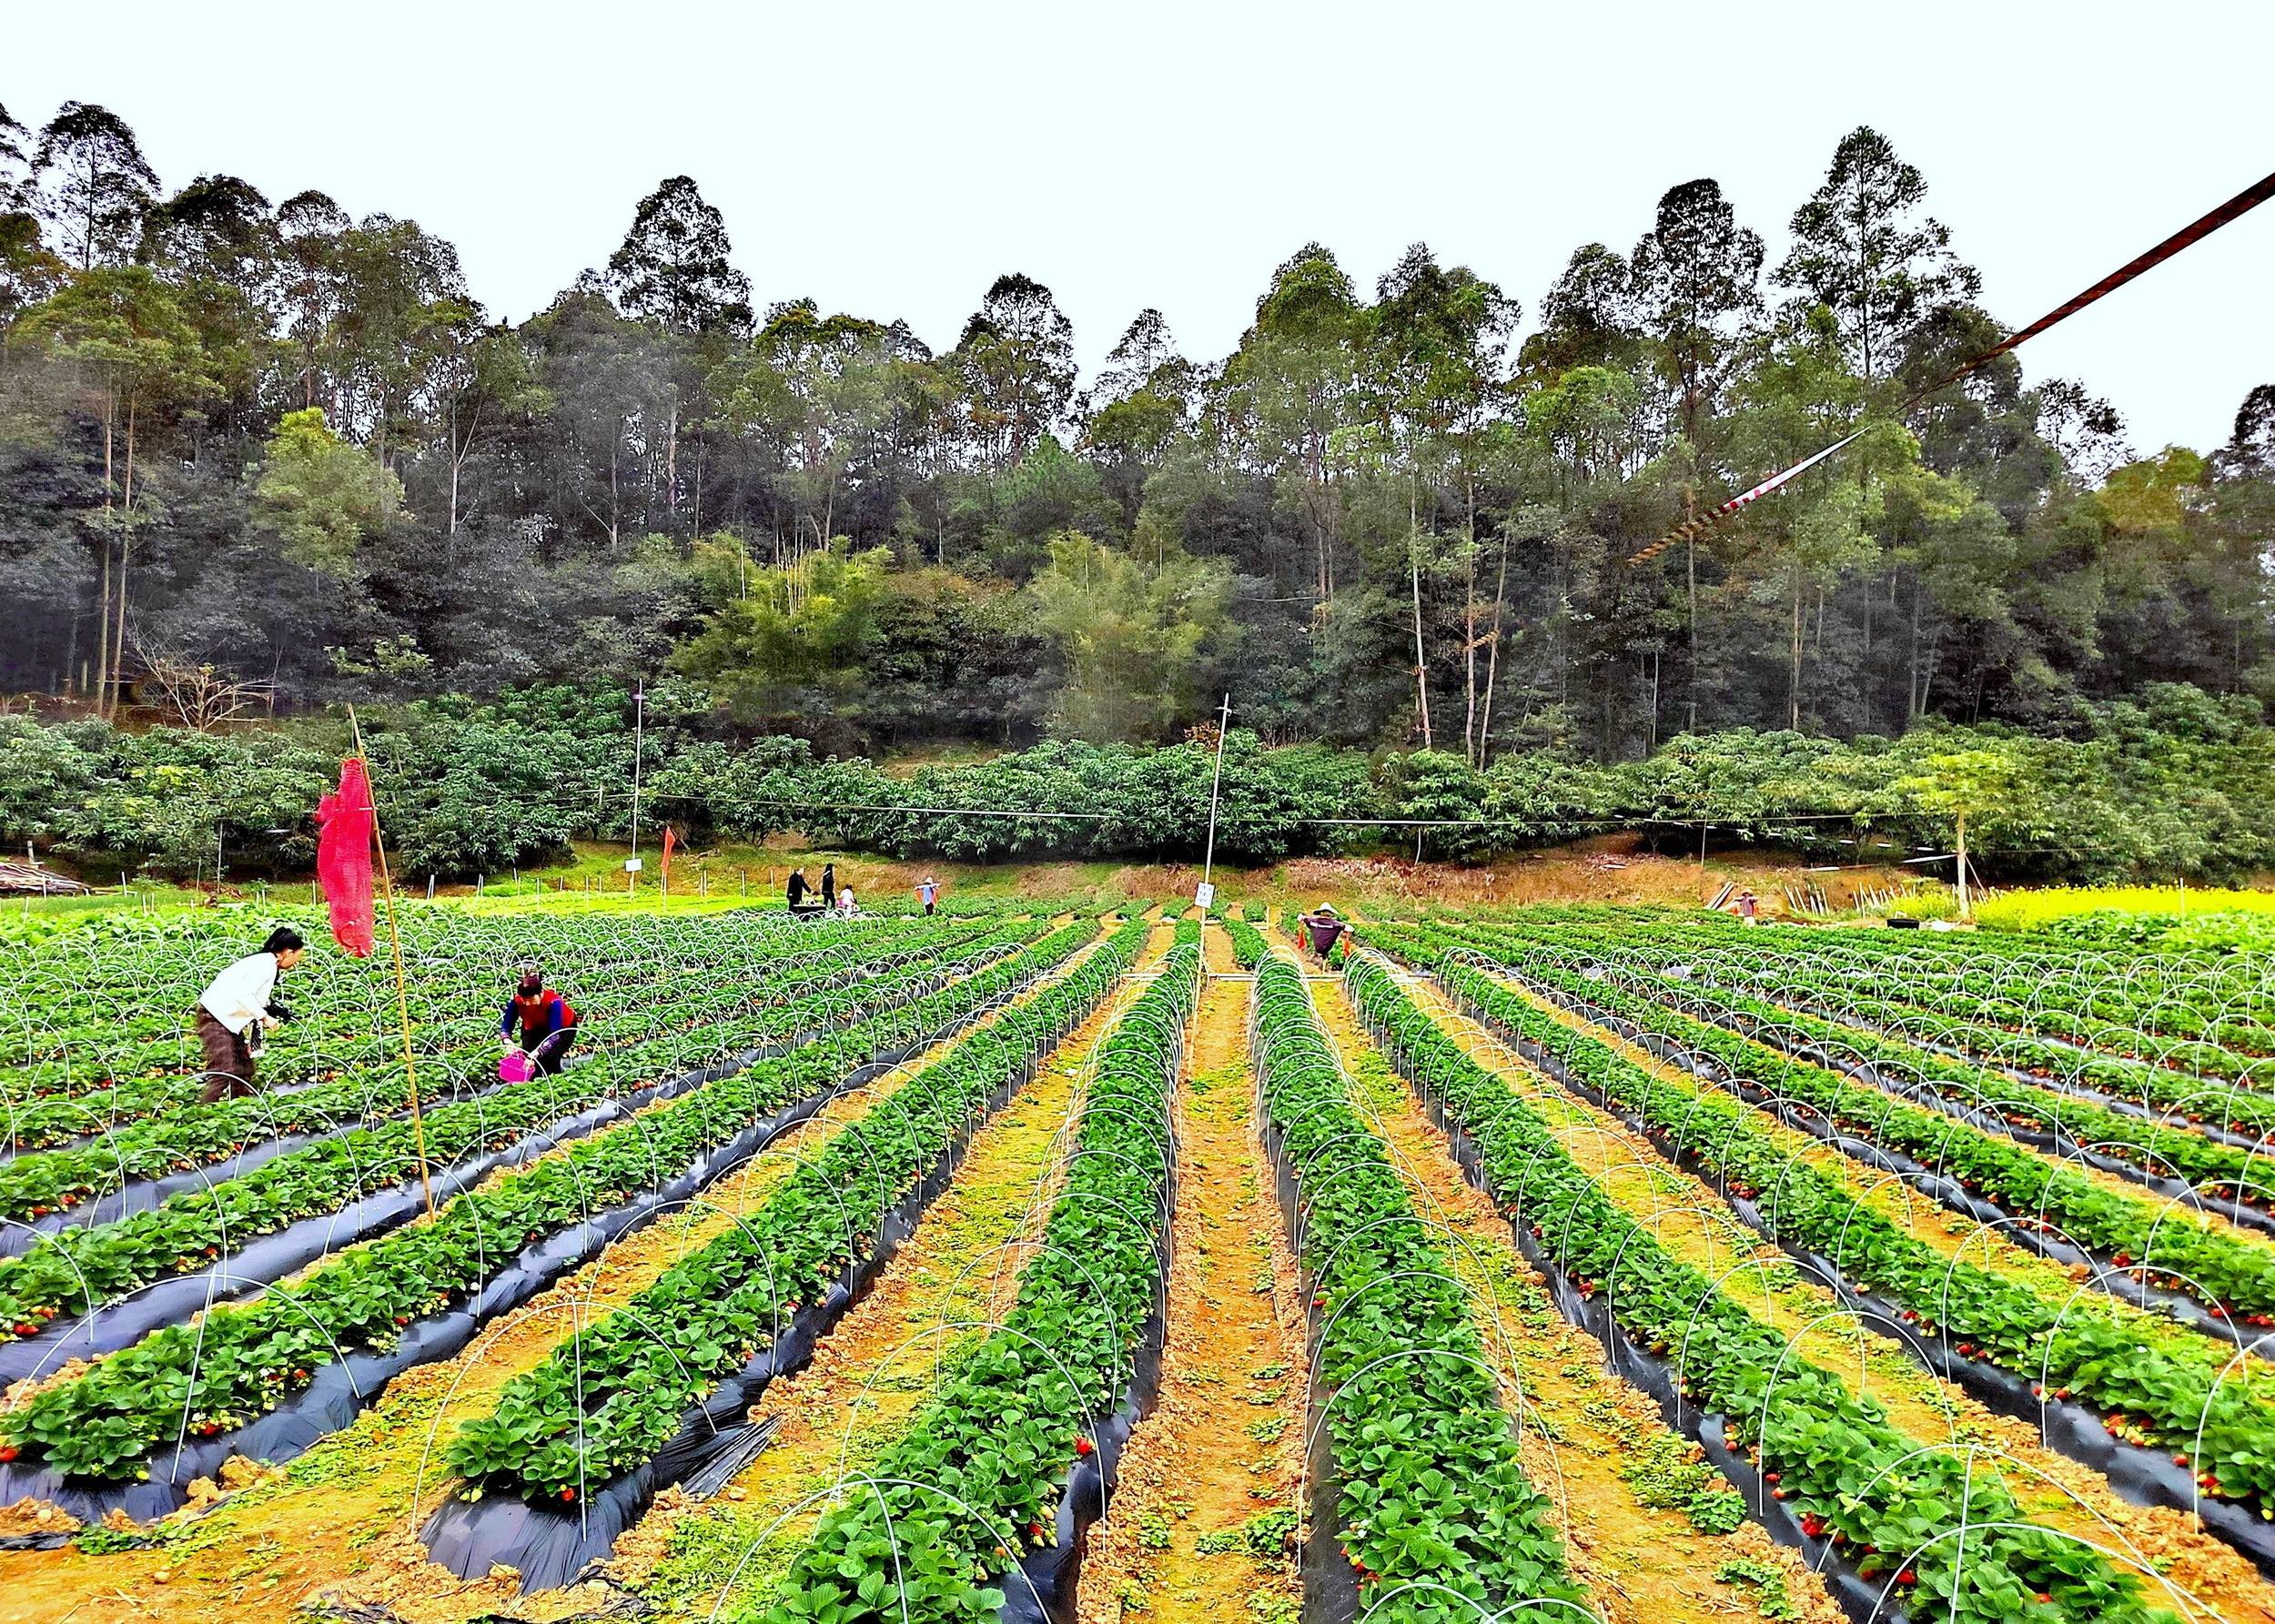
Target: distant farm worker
(928, 893)
(798, 888)
(546, 1022)
(1748, 906)
(1326, 928)
(829, 885)
(845, 904)
(238, 1008)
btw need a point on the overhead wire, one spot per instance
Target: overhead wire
(2241, 203)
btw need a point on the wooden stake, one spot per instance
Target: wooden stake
(402, 996)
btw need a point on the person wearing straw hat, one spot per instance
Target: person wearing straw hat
(1326, 928)
(546, 1025)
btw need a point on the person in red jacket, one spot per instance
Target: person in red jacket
(546, 1025)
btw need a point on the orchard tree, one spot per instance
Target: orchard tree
(97, 185)
(1990, 785)
(1862, 250)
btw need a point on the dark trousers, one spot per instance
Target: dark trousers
(228, 1060)
(550, 1050)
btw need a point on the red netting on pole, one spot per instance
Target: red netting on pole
(343, 857)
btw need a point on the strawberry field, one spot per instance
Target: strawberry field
(1022, 1264)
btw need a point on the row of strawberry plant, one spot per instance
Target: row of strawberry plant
(244, 1360)
(1895, 1506)
(975, 1481)
(614, 1392)
(2234, 1051)
(81, 1268)
(2215, 1167)
(360, 1079)
(2157, 1089)
(2200, 1000)
(138, 1034)
(205, 1133)
(2158, 1383)
(1788, 978)
(2230, 1271)
(1432, 1499)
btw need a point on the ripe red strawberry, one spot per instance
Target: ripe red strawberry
(26, 1328)
(1082, 1445)
(1907, 1577)
(7, 1452)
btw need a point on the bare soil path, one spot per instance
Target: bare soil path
(342, 1521)
(1203, 1520)
(1694, 1224)
(1622, 1481)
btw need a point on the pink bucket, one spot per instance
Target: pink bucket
(514, 1067)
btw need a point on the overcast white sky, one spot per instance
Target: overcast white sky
(892, 159)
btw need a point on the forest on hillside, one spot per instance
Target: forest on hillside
(258, 455)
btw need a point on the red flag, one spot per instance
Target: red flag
(667, 853)
(343, 857)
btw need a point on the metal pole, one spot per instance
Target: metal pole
(1208, 857)
(639, 731)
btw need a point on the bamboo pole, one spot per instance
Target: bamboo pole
(402, 996)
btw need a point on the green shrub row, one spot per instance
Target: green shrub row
(1895, 1509)
(243, 1361)
(78, 1269)
(973, 1483)
(1432, 1493)
(2159, 1383)
(198, 1134)
(614, 1392)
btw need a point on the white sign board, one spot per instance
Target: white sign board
(1204, 896)
(632, 866)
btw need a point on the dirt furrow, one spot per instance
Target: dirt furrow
(1638, 1505)
(1694, 1223)
(1202, 1525)
(885, 1357)
(343, 1519)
